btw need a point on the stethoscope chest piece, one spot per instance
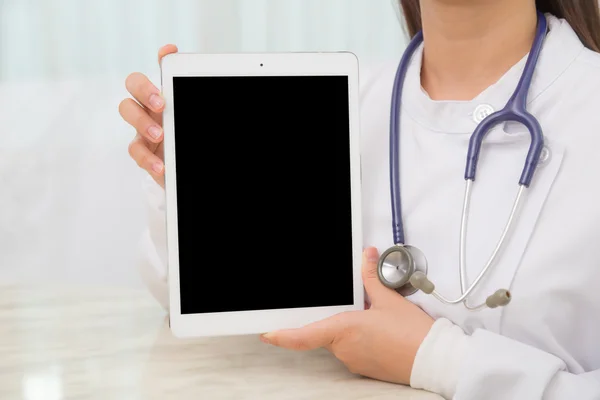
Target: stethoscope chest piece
(397, 264)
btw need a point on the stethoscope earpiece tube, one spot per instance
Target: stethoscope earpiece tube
(420, 281)
(515, 110)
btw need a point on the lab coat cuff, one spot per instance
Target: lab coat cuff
(438, 360)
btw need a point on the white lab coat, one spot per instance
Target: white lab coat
(546, 343)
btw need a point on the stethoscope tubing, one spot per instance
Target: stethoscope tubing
(514, 110)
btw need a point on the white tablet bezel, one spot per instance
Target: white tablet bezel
(244, 64)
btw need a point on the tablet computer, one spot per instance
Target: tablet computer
(262, 190)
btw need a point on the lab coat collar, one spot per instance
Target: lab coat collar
(561, 47)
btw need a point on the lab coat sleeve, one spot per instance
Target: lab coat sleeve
(491, 366)
(153, 244)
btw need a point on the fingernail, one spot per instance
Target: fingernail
(156, 101)
(157, 167)
(155, 131)
(371, 254)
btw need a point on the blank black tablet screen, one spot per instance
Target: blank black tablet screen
(263, 192)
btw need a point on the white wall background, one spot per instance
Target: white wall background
(65, 38)
(70, 199)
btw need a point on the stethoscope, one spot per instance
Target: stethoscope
(403, 267)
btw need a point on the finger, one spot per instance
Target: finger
(376, 291)
(137, 117)
(140, 118)
(166, 50)
(312, 336)
(145, 158)
(145, 92)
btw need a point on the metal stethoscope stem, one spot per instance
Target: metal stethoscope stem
(466, 291)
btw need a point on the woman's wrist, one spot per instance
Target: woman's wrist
(437, 365)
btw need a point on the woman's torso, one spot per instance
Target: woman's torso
(551, 260)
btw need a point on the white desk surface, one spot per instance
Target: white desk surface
(99, 343)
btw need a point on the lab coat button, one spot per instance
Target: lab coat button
(481, 112)
(544, 155)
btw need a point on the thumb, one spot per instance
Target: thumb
(375, 289)
(166, 50)
(310, 337)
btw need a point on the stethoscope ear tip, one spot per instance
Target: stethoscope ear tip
(500, 298)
